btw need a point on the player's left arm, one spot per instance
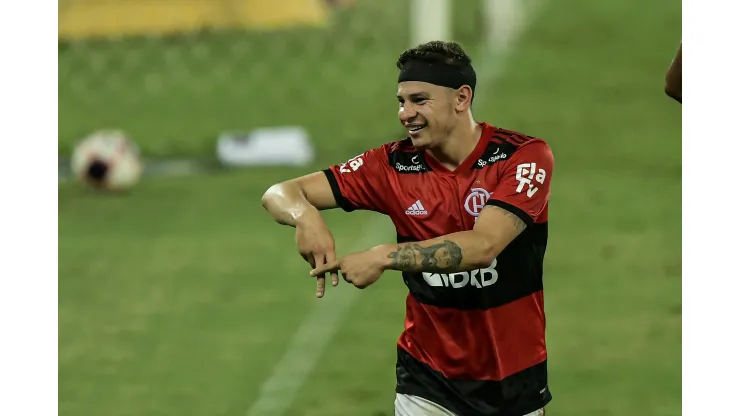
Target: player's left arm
(517, 202)
(465, 250)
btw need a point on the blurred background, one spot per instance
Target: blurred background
(181, 296)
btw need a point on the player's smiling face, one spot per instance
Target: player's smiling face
(427, 112)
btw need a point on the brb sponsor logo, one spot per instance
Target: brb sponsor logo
(479, 278)
(475, 201)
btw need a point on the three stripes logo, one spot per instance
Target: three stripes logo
(416, 209)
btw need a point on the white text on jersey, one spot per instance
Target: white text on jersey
(416, 209)
(525, 172)
(479, 278)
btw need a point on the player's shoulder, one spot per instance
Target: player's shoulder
(513, 140)
(405, 158)
(513, 144)
(401, 156)
(505, 146)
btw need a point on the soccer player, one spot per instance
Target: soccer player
(470, 205)
(673, 77)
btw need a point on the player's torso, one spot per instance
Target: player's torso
(430, 202)
(473, 340)
(477, 312)
(485, 324)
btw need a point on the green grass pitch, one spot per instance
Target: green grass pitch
(179, 298)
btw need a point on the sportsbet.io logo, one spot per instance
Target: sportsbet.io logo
(475, 202)
(404, 168)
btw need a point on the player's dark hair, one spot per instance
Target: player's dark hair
(439, 63)
(436, 51)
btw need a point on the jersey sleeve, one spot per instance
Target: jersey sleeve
(361, 182)
(524, 184)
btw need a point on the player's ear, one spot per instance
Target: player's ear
(463, 98)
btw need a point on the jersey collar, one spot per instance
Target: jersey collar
(467, 164)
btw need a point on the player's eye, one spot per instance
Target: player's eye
(419, 100)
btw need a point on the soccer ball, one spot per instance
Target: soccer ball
(108, 160)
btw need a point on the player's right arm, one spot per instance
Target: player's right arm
(360, 183)
(299, 199)
(356, 184)
(296, 203)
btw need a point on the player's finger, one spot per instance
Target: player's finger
(319, 260)
(329, 267)
(331, 257)
(310, 259)
(320, 287)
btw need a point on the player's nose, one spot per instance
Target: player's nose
(406, 115)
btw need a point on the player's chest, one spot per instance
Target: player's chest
(431, 205)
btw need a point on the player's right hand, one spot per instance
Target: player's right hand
(316, 245)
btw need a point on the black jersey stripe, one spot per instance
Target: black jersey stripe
(517, 273)
(516, 395)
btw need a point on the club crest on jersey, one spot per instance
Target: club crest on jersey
(476, 200)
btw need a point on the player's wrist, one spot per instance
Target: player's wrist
(383, 255)
(306, 215)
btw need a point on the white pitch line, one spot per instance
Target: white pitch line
(317, 329)
(507, 18)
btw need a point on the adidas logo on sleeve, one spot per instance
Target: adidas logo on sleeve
(416, 209)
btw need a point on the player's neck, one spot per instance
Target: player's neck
(461, 142)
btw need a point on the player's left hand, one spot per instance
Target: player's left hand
(361, 269)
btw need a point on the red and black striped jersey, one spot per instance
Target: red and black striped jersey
(473, 341)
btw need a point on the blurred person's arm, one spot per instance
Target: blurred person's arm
(673, 77)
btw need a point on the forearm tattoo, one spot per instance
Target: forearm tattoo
(443, 257)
